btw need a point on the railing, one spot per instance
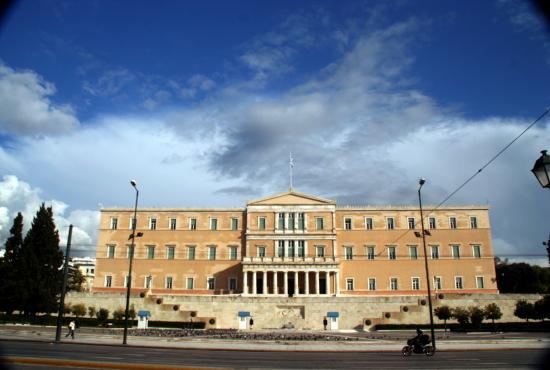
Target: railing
(291, 259)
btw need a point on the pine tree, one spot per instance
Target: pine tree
(42, 260)
(10, 266)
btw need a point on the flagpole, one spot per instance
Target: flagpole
(290, 165)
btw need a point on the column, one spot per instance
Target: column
(336, 283)
(285, 248)
(327, 281)
(305, 249)
(317, 282)
(295, 248)
(254, 283)
(307, 282)
(275, 286)
(296, 285)
(286, 282)
(245, 282)
(264, 274)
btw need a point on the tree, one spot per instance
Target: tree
(102, 316)
(461, 315)
(41, 259)
(75, 279)
(492, 312)
(79, 310)
(118, 314)
(92, 311)
(521, 277)
(476, 316)
(545, 307)
(10, 266)
(524, 310)
(443, 313)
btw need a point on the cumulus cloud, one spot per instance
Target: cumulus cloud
(19, 196)
(26, 108)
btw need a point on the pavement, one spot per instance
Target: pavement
(362, 341)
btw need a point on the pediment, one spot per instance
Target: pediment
(291, 198)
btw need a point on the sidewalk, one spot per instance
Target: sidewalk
(88, 336)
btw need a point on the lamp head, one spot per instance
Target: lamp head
(133, 183)
(421, 181)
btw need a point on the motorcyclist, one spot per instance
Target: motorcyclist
(420, 340)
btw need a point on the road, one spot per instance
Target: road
(90, 356)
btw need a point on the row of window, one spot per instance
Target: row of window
(297, 221)
(169, 282)
(173, 223)
(371, 254)
(191, 252)
(416, 283)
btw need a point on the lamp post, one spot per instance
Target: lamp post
(421, 182)
(541, 169)
(129, 283)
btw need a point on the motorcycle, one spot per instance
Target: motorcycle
(414, 346)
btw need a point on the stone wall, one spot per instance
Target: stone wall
(298, 312)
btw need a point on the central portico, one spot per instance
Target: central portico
(276, 261)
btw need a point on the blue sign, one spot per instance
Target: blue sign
(144, 314)
(244, 314)
(333, 314)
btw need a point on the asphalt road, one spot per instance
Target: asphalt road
(139, 357)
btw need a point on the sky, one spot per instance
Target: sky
(201, 103)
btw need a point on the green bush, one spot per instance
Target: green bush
(78, 310)
(92, 311)
(476, 316)
(462, 316)
(102, 316)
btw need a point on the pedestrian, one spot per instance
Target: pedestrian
(325, 323)
(72, 327)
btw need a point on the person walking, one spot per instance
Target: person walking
(72, 327)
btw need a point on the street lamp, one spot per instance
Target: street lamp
(421, 182)
(541, 169)
(129, 283)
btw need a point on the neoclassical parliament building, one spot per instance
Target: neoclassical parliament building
(293, 244)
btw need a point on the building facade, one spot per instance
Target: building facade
(294, 244)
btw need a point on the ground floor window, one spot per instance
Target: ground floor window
(232, 284)
(415, 282)
(169, 282)
(480, 282)
(437, 282)
(349, 284)
(190, 283)
(393, 284)
(210, 283)
(108, 281)
(372, 284)
(459, 283)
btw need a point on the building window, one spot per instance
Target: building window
(437, 283)
(280, 248)
(189, 284)
(435, 252)
(148, 282)
(190, 253)
(211, 253)
(319, 251)
(473, 222)
(126, 281)
(232, 253)
(114, 223)
(173, 224)
(393, 284)
(349, 253)
(169, 281)
(349, 284)
(372, 284)
(432, 223)
(108, 281)
(290, 251)
(261, 223)
(319, 223)
(261, 251)
(150, 252)
(291, 221)
(413, 252)
(391, 253)
(459, 283)
(281, 221)
(411, 222)
(130, 251)
(415, 282)
(301, 249)
(480, 282)
(476, 251)
(455, 249)
(390, 223)
(210, 283)
(347, 223)
(192, 224)
(301, 221)
(170, 252)
(152, 223)
(232, 284)
(234, 223)
(110, 251)
(368, 223)
(370, 252)
(213, 224)
(133, 224)
(452, 222)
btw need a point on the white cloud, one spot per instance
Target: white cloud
(110, 83)
(26, 108)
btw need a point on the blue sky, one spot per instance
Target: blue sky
(201, 102)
